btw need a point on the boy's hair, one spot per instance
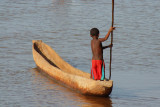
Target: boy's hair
(94, 32)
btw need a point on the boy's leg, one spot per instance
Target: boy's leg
(99, 69)
(94, 69)
(103, 71)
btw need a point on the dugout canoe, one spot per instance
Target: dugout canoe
(55, 67)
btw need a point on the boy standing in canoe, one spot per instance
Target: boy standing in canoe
(98, 66)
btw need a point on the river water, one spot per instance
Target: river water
(65, 26)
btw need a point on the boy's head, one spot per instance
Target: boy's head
(94, 32)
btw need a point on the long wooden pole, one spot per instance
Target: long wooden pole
(111, 39)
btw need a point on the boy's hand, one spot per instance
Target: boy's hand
(111, 45)
(112, 28)
(107, 35)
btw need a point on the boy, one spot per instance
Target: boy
(98, 66)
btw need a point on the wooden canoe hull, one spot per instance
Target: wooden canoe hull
(54, 66)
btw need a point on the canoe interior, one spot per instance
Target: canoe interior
(55, 60)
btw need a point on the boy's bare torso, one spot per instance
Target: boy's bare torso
(96, 43)
(97, 50)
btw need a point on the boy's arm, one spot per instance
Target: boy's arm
(104, 47)
(107, 35)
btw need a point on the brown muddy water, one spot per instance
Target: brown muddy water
(65, 25)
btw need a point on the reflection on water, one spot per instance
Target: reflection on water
(53, 92)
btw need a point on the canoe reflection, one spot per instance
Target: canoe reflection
(53, 92)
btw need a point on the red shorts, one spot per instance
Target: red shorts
(98, 70)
